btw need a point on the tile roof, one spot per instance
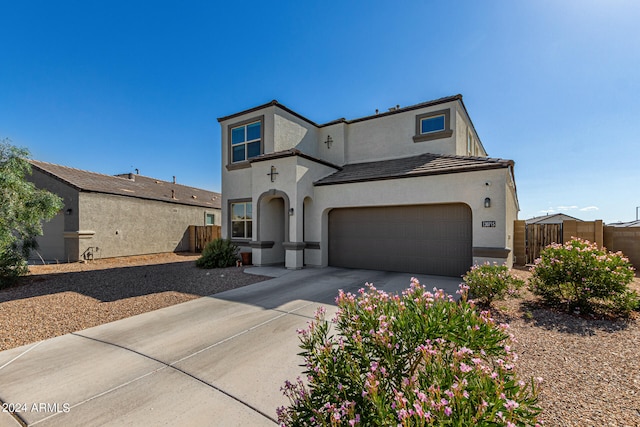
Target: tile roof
(409, 167)
(138, 186)
(290, 153)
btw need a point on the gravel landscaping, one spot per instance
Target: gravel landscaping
(590, 367)
(61, 298)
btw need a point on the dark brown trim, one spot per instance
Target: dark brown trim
(229, 145)
(445, 133)
(294, 246)
(312, 245)
(248, 111)
(502, 253)
(264, 244)
(291, 153)
(342, 120)
(273, 103)
(433, 135)
(411, 108)
(238, 166)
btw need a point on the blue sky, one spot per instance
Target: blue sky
(110, 86)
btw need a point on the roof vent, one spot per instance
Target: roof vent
(174, 179)
(173, 194)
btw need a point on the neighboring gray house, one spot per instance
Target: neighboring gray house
(410, 189)
(558, 218)
(108, 216)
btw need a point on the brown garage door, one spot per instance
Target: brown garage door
(428, 239)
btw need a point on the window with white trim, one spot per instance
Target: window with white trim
(246, 141)
(241, 220)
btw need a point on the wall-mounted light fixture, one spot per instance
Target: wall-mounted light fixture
(487, 202)
(291, 211)
(329, 141)
(69, 211)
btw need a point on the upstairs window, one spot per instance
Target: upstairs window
(246, 141)
(433, 125)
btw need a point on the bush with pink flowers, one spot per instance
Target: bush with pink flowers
(416, 359)
(582, 277)
(488, 282)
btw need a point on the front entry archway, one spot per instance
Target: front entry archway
(273, 228)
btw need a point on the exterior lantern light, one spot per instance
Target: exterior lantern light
(487, 202)
(291, 211)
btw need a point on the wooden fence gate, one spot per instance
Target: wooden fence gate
(200, 235)
(540, 235)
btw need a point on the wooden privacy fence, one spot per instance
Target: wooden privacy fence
(530, 239)
(538, 236)
(200, 235)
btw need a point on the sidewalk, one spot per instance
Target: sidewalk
(218, 360)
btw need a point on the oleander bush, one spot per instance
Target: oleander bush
(218, 253)
(580, 277)
(415, 359)
(489, 282)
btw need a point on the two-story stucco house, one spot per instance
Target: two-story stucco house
(410, 189)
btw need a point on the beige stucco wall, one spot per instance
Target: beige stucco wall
(389, 137)
(52, 244)
(469, 188)
(292, 132)
(123, 226)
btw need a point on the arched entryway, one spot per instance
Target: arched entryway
(273, 228)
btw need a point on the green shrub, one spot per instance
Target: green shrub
(414, 359)
(579, 276)
(218, 253)
(12, 266)
(488, 282)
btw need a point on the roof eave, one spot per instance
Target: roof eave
(417, 174)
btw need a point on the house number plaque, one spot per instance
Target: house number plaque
(488, 223)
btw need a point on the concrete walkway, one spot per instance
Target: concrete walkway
(215, 361)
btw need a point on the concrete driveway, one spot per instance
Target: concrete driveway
(215, 361)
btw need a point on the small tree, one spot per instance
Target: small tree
(23, 207)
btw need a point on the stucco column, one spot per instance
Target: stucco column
(294, 255)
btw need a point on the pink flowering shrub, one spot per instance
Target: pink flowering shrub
(582, 277)
(488, 282)
(415, 359)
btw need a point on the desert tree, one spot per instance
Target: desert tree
(23, 207)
